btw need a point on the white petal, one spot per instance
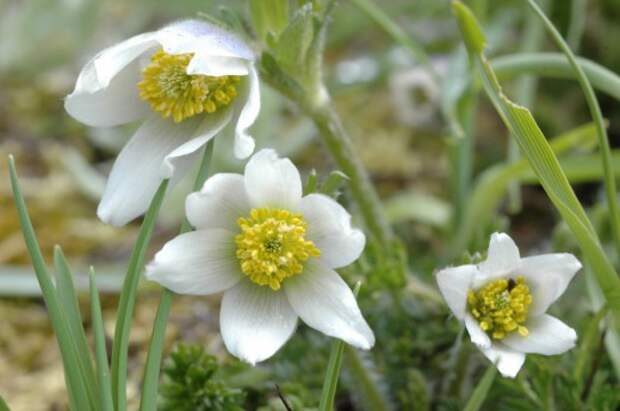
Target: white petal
(507, 361)
(548, 276)
(220, 203)
(326, 303)
(477, 336)
(454, 283)
(502, 259)
(106, 92)
(217, 66)
(255, 321)
(201, 37)
(119, 103)
(210, 125)
(271, 181)
(138, 169)
(547, 335)
(198, 263)
(329, 227)
(244, 143)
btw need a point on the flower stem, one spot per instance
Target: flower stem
(373, 397)
(148, 400)
(339, 144)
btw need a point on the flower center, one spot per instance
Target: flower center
(172, 92)
(501, 306)
(272, 247)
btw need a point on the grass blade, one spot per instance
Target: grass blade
(128, 299)
(67, 299)
(76, 384)
(543, 161)
(101, 357)
(148, 400)
(554, 65)
(3, 406)
(482, 389)
(330, 384)
(491, 186)
(328, 394)
(601, 131)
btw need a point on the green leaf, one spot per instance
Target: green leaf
(328, 393)
(128, 299)
(419, 206)
(67, 299)
(597, 116)
(482, 389)
(79, 392)
(589, 342)
(292, 46)
(3, 406)
(269, 17)
(333, 182)
(101, 356)
(311, 183)
(148, 400)
(555, 65)
(543, 161)
(491, 186)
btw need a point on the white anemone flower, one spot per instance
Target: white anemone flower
(186, 82)
(273, 252)
(503, 302)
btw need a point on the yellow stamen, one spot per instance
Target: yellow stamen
(172, 92)
(501, 306)
(272, 247)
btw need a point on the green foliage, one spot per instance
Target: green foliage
(543, 161)
(3, 406)
(190, 383)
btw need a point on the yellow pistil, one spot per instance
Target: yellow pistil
(172, 92)
(501, 306)
(272, 247)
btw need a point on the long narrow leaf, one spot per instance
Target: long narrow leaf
(3, 406)
(67, 298)
(328, 393)
(482, 389)
(543, 161)
(148, 400)
(101, 356)
(128, 299)
(554, 65)
(74, 378)
(491, 186)
(601, 131)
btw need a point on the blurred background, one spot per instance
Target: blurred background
(391, 107)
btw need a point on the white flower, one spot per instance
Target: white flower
(503, 302)
(186, 81)
(272, 252)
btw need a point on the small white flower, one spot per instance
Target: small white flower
(272, 252)
(503, 302)
(186, 81)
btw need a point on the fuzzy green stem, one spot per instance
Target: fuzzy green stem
(339, 144)
(364, 382)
